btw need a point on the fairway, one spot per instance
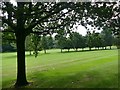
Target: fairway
(87, 69)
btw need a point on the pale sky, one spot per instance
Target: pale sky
(83, 31)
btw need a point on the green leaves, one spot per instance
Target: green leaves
(36, 43)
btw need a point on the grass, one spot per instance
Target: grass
(90, 69)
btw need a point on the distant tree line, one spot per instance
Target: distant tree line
(62, 40)
(91, 40)
(73, 40)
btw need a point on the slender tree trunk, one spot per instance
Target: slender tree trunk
(110, 47)
(105, 47)
(95, 48)
(61, 50)
(90, 48)
(45, 51)
(102, 47)
(98, 48)
(21, 70)
(82, 49)
(76, 49)
(30, 52)
(68, 50)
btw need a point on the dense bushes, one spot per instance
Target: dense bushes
(7, 48)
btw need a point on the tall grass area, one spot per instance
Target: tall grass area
(87, 69)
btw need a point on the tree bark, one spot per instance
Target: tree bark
(45, 51)
(90, 48)
(110, 47)
(82, 49)
(61, 50)
(21, 70)
(68, 50)
(76, 49)
(30, 52)
(105, 48)
(102, 47)
(98, 48)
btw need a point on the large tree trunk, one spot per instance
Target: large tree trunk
(21, 34)
(21, 70)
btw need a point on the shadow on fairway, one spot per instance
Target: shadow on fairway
(78, 80)
(86, 50)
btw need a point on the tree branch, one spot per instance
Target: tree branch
(9, 23)
(33, 24)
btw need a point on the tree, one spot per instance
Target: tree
(103, 15)
(107, 36)
(76, 39)
(96, 40)
(8, 42)
(44, 43)
(50, 42)
(29, 44)
(36, 39)
(68, 44)
(117, 42)
(90, 40)
(46, 17)
(83, 42)
(61, 41)
(25, 17)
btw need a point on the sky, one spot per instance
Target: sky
(83, 31)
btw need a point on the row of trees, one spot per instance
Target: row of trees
(39, 43)
(72, 40)
(68, 41)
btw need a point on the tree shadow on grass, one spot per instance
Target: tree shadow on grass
(76, 80)
(87, 50)
(83, 80)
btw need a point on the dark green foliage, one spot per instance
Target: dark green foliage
(50, 42)
(68, 44)
(61, 41)
(8, 48)
(78, 41)
(44, 43)
(97, 40)
(116, 42)
(36, 43)
(8, 42)
(83, 42)
(107, 37)
(90, 40)
(29, 44)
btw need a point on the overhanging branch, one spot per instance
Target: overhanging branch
(33, 24)
(9, 23)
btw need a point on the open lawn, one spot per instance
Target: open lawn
(88, 69)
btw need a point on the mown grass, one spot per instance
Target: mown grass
(88, 69)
